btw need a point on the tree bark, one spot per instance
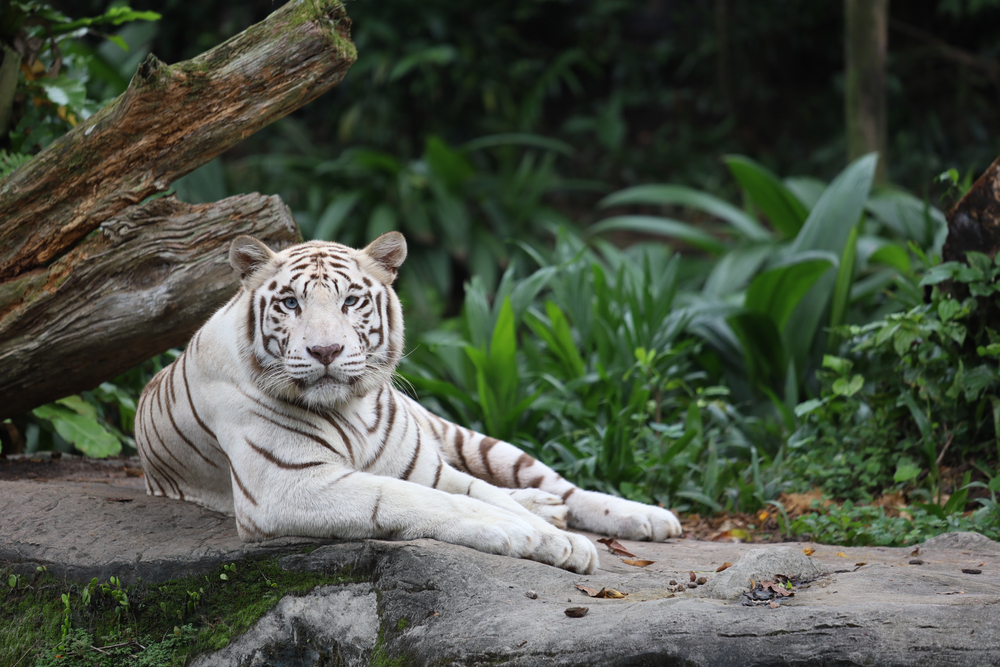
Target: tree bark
(171, 120)
(142, 285)
(974, 221)
(78, 308)
(865, 45)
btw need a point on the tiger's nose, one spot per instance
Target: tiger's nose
(325, 353)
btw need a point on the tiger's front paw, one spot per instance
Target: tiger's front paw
(569, 551)
(618, 517)
(648, 522)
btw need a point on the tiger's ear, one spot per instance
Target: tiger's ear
(247, 254)
(388, 252)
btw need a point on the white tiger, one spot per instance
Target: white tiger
(282, 413)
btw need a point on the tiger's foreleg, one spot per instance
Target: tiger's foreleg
(556, 547)
(503, 464)
(333, 501)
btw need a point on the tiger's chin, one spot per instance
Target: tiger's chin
(326, 392)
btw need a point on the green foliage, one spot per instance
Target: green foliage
(97, 423)
(864, 525)
(918, 395)
(772, 293)
(604, 383)
(456, 205)
(58, 623)
(52, 89)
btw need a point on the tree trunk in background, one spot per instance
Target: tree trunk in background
(865, 43)
(79, 304)
(974, 221)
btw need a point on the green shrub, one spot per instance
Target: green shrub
(917, 396)
(588, 363)
(823, 258)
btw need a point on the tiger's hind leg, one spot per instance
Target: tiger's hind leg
(543, 504)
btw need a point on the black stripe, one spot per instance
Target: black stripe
(388, 430)
(378, 501)
(413, 461)
(187, 389)
(378, 412)
(332, 419)
(484, 451)
(522, 460)
(314, 438)
(437, 475)
(459, 445)
(170, 415)
(280, 463)
(239, 483)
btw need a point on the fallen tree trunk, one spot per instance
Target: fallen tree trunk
(144, 284)
(171, 120)
(75, 312)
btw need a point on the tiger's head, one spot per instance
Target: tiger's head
(323, 323)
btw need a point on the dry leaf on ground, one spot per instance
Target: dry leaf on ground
(604, 593)
(724, 566)
(616, 548)
(639, 562)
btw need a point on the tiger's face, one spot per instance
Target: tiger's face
(323, 322)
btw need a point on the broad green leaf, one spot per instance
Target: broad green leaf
(940, 273)
(763, 349)
(807, 189)
(734, 270)
(519, 139)
(911, 218)
(679, 195)
(923, 423)
(524, 292)
(777, 291)
(948, 308)
(806, 407)
(434, 55)
(333, 216)
(84, 431)
(837, 212)
(778, 204)
(448, 164)
(648, 224)
(64, 91)
(905, 471)
(892, 255)
(845, 278)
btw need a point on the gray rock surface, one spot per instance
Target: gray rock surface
(427, 602)
(760, 565)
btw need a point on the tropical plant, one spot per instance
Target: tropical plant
(825, 257)
(913, 404)
(604, 384)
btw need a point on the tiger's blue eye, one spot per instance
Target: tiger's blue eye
(351, 300)
(291, 303)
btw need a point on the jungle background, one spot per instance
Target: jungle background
(641, 247)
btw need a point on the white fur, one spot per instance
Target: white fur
(251, 421)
